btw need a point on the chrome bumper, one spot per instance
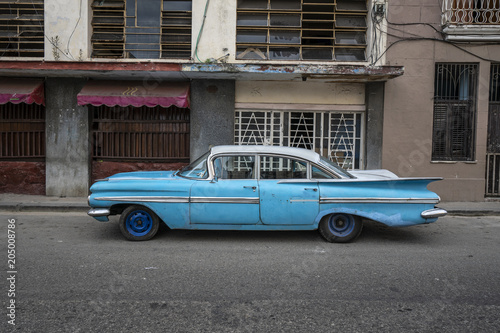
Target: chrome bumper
(98, 212)
(433, 213)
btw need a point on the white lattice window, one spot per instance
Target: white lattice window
(333, 134)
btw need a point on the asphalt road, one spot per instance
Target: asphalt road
(74, 274)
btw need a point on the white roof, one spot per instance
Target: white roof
(298, 152)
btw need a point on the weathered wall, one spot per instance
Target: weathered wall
(308, 92)
(408, 115)
(22, 177)
(67, 30)
(374, 124)
(218, 35)
(212, 115)
(67, 139)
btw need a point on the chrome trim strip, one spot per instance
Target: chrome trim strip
(379, 200)
(235, 200)
(433, 213)
(160, 199)
(147, 199)
(97, 212)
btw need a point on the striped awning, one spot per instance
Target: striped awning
(15, 90)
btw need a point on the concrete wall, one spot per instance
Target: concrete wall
(67, 27)
(67, 139)
(408, 115)
(218, 36)
(374, 124)
(212, 115)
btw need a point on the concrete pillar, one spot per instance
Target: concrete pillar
(67, 139)
(374, 124)
(212, 114)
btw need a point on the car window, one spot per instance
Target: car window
(317, 173)
(197, 169)
(282, 168)
(235, 167)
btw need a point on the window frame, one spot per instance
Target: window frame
(455, 112)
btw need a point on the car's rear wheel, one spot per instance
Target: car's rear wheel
(139, 223)
(340, 227)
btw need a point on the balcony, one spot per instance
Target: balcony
(471, 20)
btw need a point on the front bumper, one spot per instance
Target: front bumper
(433, 213)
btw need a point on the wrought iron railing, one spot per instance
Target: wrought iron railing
(467, 12)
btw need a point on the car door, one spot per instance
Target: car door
(287, 196)
(232, 197)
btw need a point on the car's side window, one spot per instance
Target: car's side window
(317, 173)
(282, 168)
(235, 167)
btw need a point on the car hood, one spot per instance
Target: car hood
(373, 174)
(142, 175)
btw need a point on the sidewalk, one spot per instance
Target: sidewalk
(41, 203)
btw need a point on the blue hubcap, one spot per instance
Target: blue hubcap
(139, 223)
(341, 225)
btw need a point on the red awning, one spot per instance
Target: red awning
(135, 93)
(17, 91)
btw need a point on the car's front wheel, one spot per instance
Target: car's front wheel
(139, 223)
(340, 227)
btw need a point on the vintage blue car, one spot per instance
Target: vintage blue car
(262, 188)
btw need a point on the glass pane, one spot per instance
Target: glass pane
(285, 4)
(285, 20)
(282, 168)
(317, 54)
(197, 169)
(291, 53)
(235, 167)
(349, 54)
(252, 4)
(354, 5)
(350, 38)
(177, 5)
(252, 53)
(251, 36)
(317, 173)
(350, 21)
(252, 19)
(284, 37)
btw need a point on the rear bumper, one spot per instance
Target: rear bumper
(100, 214)
(433, 213)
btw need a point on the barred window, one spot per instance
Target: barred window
(22, 131)
(141, 29)
(21, 28)
(493, 143)
(140, 134)
(455, 90)
(335, 135)
(301, 30)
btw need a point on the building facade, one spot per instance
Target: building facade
(91, 88)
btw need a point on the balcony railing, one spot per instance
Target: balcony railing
(471, 12)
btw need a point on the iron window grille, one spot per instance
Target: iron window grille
(493, 143)
(22, 131)
(141, 29)
(301, 30)
(455, 90)
(471, 12)
(146, 134)
(22, 28)
(335, 135)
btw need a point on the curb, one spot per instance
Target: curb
(24, 207)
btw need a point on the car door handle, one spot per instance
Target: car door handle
(311, 189)
(252, 187)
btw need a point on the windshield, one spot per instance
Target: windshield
(198, 169)
(336, 168)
